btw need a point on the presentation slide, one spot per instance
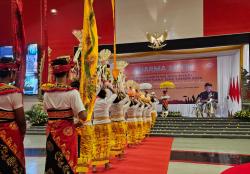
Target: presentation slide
(189, 76)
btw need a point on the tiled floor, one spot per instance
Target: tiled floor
(190, 168)
(35, 165)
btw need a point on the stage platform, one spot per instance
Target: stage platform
(201, 128)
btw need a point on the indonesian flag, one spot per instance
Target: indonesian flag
(234, 103)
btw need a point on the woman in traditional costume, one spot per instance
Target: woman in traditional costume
(148, 117)
(140, 133)
(132, 122)
(154, 102)
(102, 127)
(120, 104)
(85, 140)
(12, 121)
(63, 105)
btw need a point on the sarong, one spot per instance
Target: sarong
(86, 137)
(140, 132)
(119, 137)
(102, 144)
(61, 145)
(11, 146)
(154, 116)
(148, 126)
(131, 133)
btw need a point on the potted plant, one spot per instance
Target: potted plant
(36, 115)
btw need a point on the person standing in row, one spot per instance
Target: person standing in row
(102, 127)
(119, 127)
(63, 105)
(12, 121)
(154, 102)
(140, 133)
(132, 122)
(148, 118)
(85, 141)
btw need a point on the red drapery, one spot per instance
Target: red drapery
(19, 40)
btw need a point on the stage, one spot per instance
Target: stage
(189, 70)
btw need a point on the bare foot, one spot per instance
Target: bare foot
(107, 166)
(94, 169)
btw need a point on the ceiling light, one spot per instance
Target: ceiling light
(53, 11)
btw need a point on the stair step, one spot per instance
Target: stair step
(195, 128)
(231, 136)
(202, 131)
(201, 127)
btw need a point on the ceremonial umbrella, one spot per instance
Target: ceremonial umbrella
(167, 84)
(145, 86)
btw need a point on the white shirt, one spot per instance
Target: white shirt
(154, 105)
(101, 109)
(117, 109)
(12, 101)
(148, 113)
(64, 100)
(139, 113)
(131, 113)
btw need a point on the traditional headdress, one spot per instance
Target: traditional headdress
(7, 63)
(62, 68)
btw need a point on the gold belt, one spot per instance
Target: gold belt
(101, 118)
(7, 115)
(116, 116)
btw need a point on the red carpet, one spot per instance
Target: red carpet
(152, 156)
(240, 169)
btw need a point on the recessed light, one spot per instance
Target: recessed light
(53, 11)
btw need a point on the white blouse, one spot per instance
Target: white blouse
(139, 113)
(132, 113)
(117, 109)
(101, 109)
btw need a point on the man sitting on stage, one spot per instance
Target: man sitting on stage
(209, 99)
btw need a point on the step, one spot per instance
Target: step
(201, 126)
(195, 128)
(201, 131)
(199, 119)
(36, 130)
(204, 120)
(231, 136)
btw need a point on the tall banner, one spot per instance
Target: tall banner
(188, 75)
(89, 58)
(19, 40)
(44, 65)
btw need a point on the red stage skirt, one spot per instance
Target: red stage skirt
(11, 148)
(61, 146)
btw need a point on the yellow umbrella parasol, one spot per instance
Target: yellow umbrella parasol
(167, 84)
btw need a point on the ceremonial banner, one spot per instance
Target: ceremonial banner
(89, 59)
(189, 76)
(19, 40)
(44, 67)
